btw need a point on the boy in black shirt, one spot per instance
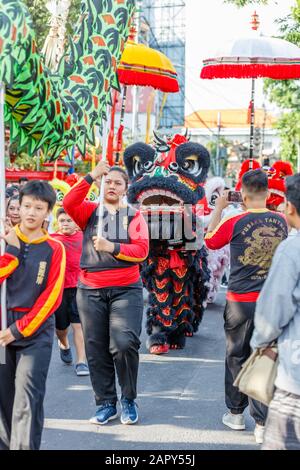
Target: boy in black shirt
(34, 266)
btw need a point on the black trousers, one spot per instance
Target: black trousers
(239, 326)
(22, 392)
(111, 320)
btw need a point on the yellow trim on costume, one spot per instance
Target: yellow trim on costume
(9, 268)
(25, 239)
(223, 221)
(128, 258)
(192, 158)
(258, 211)
(50, 302)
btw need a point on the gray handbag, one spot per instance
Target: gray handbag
(257, 376)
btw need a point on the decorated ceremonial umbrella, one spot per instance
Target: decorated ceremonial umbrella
(141, 65)
(254, 56)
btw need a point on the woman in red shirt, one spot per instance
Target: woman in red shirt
(110, 293)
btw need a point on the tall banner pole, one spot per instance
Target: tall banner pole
(134, 112)
(121, 126)
(218, 163)
(2, 213)
(105, 133)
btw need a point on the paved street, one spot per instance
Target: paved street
(181, 401)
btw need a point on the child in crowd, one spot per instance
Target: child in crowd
(34, 266)
(67, 314)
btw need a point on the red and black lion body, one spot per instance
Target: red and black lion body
(167, 178)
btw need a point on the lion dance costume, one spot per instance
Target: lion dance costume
(164, 178)
(218, 260)
(277, 174)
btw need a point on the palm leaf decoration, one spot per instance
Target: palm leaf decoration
(56, 111)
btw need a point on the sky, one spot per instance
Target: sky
(209, 23)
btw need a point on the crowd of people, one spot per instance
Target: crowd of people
(92, 282)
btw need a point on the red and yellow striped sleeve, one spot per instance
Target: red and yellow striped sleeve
(223, 233)
(8, 264)
(48, 302)
(138, 249)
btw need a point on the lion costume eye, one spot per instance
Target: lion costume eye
(148, 166)
(213, 199)
(174, 167)
(192, 166)
(59, 195)
(137, 166)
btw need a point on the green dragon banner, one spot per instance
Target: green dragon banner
(56, 111)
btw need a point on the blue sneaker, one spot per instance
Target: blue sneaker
(104, 414)
(66, 356)
(129, 414)
(81, 369)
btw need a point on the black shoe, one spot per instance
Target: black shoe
(66, 355)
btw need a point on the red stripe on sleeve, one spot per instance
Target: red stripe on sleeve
(8, 264)
(223, 233)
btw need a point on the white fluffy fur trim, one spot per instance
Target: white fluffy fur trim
(212, 185)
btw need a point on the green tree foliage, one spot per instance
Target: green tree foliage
(286, 93)
(242, 3)
(40, 17)
(223, 155)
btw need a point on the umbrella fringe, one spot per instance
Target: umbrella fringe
(276, 72)
(165, 84)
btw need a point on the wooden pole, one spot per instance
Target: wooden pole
(120, 131)
(105, 133)
(2, 213)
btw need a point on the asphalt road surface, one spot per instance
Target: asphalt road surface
(181, 401)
